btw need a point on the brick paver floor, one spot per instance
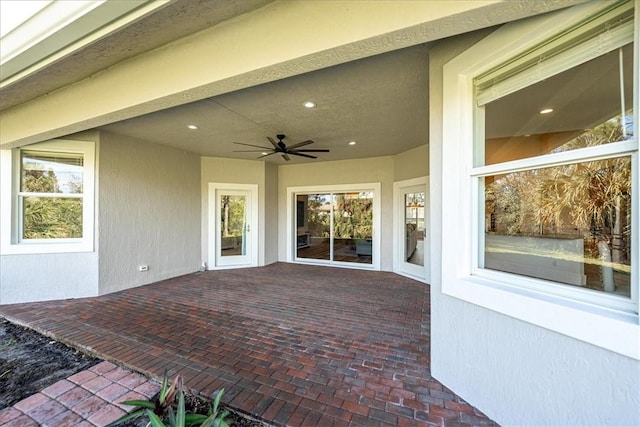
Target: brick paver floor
(293, 345)
(89, 398)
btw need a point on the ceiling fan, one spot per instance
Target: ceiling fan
(281, 148)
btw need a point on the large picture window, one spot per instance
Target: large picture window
(565, 215)
(51, 205)
(540, 173)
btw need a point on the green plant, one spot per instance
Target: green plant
(168, 409)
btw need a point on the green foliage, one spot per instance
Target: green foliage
(168, 409)
(352, 215)
(49, 217)
(39, 181)
(232, 215)
(353, 218)
(52, 218)
(562, 199)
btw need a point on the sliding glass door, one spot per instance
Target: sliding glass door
(313, 223)
(335, 226)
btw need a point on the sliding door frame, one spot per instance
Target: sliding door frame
(317, 189)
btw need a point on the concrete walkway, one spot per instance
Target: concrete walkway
(291, 344)
(87, 399)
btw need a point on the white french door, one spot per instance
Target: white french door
(233, 226)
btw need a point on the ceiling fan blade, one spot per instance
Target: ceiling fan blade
(295, 153)
(272, 141)
(251, 145)
(268, 154)
(286, 157)
(301, 144)
(251, 151)
(319, 150)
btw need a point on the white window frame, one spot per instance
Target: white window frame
(592, 318)
(10, 221)
(291, 228)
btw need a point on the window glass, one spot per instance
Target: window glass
(335, 226)
(414, 227)
(51, 172)
(314, 234)
(570, 224)
(52, 218)
(353, 227)
(561, 112)
(50, 198)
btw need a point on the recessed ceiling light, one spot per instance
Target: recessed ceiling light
(546, 111)
(264, 153)
(352, 143)
(309, 104)
(192, 127)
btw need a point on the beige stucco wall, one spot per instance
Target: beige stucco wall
(271, 232)
(411, 164)
(149, 212)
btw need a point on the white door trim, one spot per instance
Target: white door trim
(212, 215)
(399, 264)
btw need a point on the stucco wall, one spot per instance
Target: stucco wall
(411, 164)
(376, 169)
(149, 212)
(271, 231)
(25, 278)
(517, 373)
(233, 171)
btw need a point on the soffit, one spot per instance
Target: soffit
(178, 19)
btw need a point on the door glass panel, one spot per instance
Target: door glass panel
(414, 228)
(233, 225)
(313, 225)
(353, 227)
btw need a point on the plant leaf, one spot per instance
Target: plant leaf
(194, 419)
(141, 403)
(216, 401)
(154, 420)
(180, 421)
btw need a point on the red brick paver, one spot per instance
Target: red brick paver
(70, 403)
(294, 345)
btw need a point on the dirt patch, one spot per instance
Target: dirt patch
(30, 362)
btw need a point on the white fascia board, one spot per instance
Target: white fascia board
(62, 28)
